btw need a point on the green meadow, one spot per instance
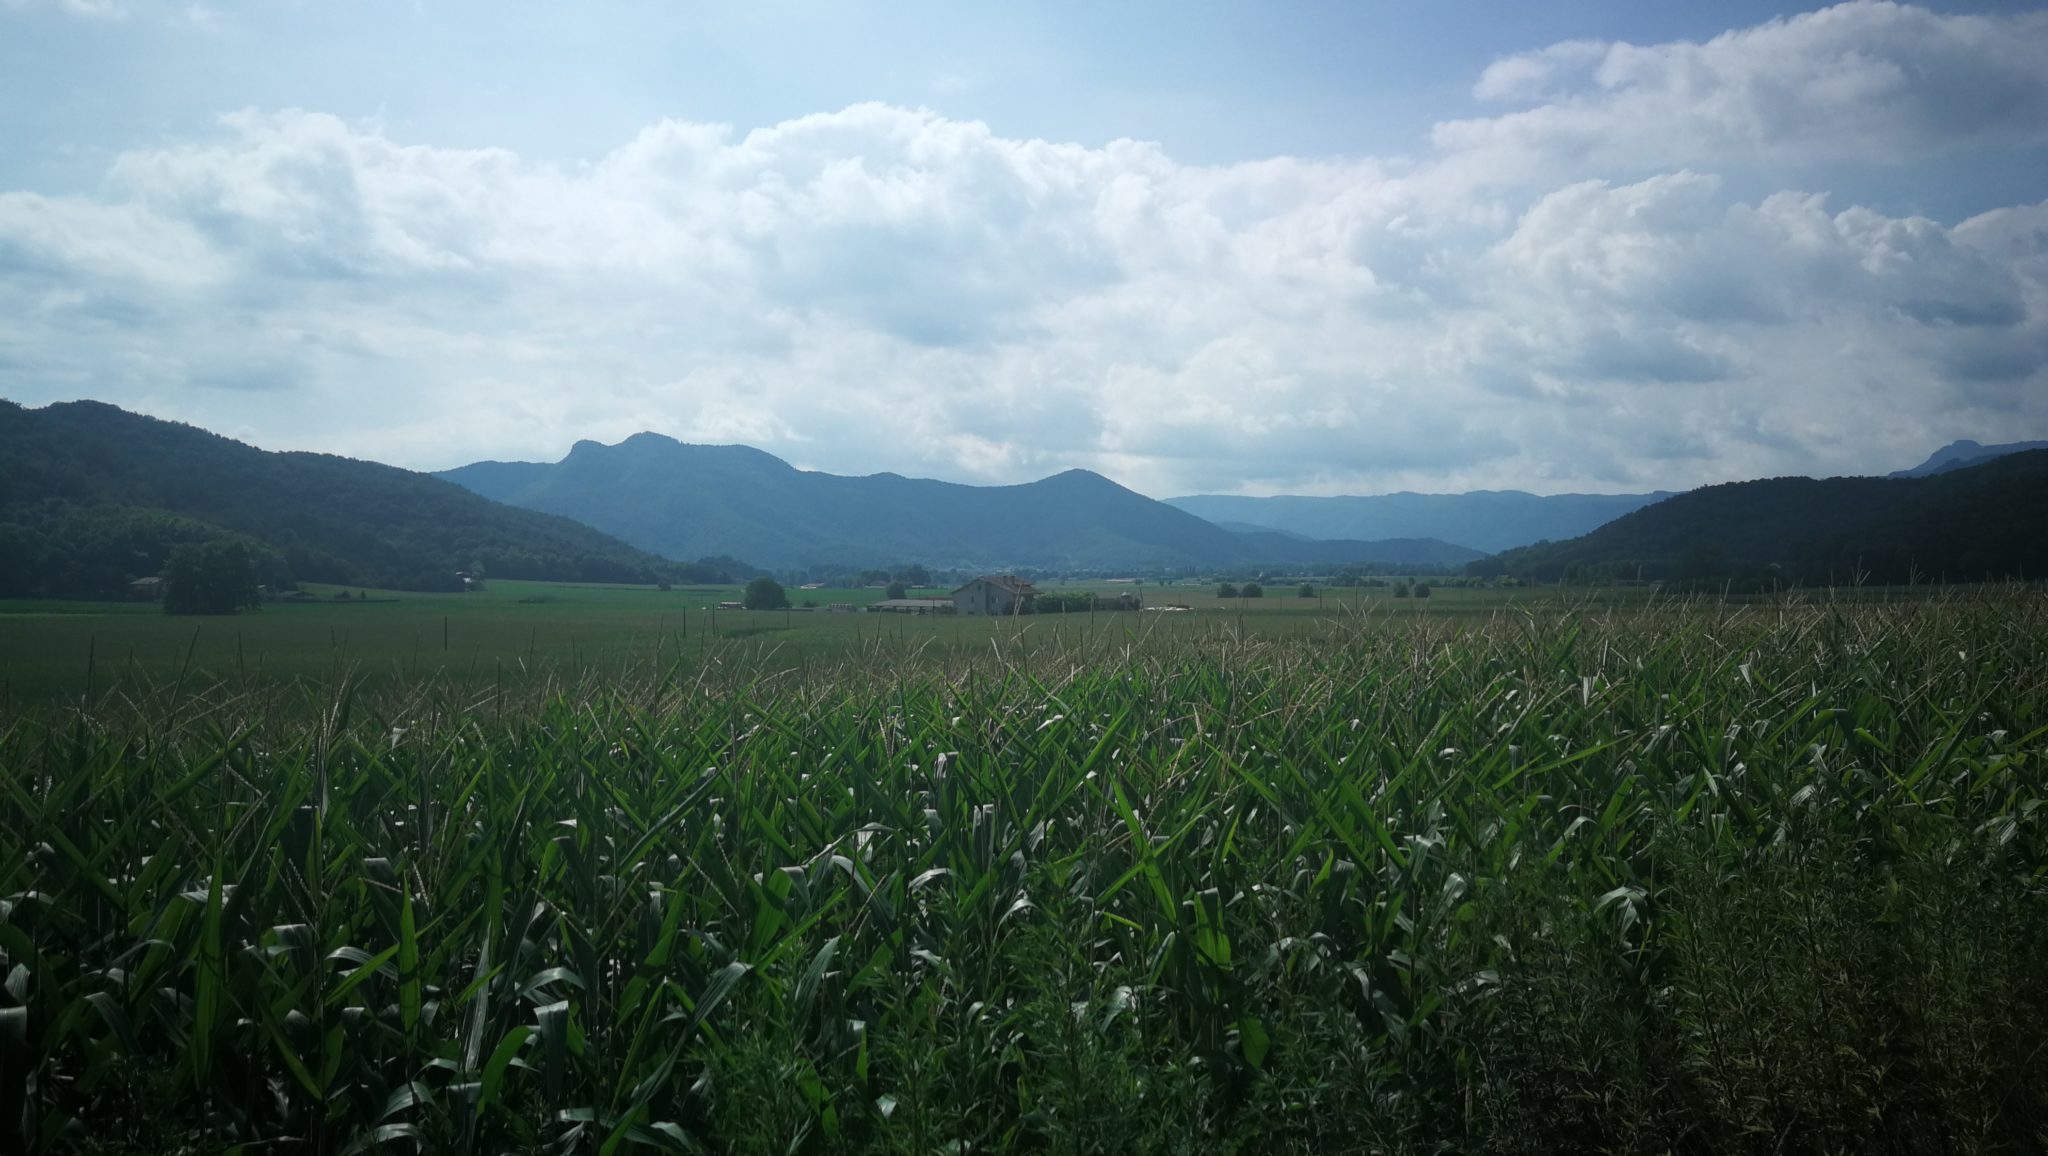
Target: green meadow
(71, 648)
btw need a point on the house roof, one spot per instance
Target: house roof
(1010, 582)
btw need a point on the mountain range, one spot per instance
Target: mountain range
(1961, 523)
(92, 496)
(1963, 454)
(1489, 520)
(1485, 520)
(684, 500)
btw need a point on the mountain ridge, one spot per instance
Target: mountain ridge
(92, 495)
(679, 499)
(1962, 454)
(1987, 521)
(1484, 520)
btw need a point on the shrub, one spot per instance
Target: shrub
(765, 593)
(1063, 602)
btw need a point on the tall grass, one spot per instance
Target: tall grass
(1696, 879)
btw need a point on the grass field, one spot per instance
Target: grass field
(69, 648)
(1525, 878)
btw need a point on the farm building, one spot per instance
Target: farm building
(995, 594)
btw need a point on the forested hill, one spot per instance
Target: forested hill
(92, 496)
(692, 500)
(1988, 521)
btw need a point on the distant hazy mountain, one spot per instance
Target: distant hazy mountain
(1961, 454)
(1984, 521)
(1484, 520)
(1330, 553)
(1250, 528)
(692, 500)
(92, 496)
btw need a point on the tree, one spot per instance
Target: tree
(1307, 590)
(1422, 589)
(1063, 602)
(765, 593)
(897, 590)
(1226, 590)
(914, 574)
(1251, 590)
(1400, 590)
(217, 577)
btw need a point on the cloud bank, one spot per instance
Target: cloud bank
(1857, 83)
(1564, 296)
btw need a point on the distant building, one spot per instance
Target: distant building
(914, 605)
(995, 594)
(150, 588)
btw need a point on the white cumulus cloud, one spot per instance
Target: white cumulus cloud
(890, 288)
(1863, 82)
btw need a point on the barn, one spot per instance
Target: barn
(995, 594)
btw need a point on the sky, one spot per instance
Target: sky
(1198, 247)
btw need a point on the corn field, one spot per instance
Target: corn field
(1693, 879)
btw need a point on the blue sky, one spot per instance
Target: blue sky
(1199, 247)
